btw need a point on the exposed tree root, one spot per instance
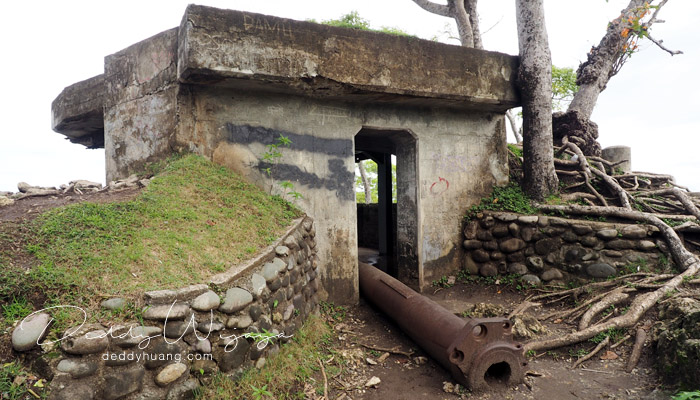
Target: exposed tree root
(640, 197)
(687, 261)
(637, 349)
(325, 379)
(595, 351)
(615, 297)
(522, 308)
(619, 342)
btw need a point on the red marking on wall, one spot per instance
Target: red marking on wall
(439, 187)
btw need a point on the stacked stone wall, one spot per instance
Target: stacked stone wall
(552, 249)
(184, 335)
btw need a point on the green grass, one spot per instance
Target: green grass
(285, 374)
(615, 335)
(16, 309)
(506, 198)
(194, 220)
(517, 150)
(14, 384)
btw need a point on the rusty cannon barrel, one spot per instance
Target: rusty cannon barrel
(478, 352)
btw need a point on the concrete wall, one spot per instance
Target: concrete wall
(460, 156)
(140, 107)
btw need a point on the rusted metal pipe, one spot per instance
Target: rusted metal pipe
(478, 352)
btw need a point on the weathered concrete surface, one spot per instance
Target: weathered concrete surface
(140, 104)
(327, 61)
(460, 156)
(226, 84)
(77, 112)
(618, 154)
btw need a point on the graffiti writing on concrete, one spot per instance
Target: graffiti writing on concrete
(450, 163)
(327, 113)
(439, 187)
(159, 60)
(260, 23)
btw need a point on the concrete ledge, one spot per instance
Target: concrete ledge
(237, 48)
(77, 112)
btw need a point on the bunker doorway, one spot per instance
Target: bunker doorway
(388, 228)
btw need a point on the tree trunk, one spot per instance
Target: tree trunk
(464, 26)
(365, 183)
(465, 15)
(535, 82)
(593, 75)
(470, 7)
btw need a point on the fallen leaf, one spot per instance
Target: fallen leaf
(609, 355)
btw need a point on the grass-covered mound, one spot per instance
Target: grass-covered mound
(195, 219)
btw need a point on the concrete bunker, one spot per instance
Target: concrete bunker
(225, 84)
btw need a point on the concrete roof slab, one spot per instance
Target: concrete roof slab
(77, 112)
(231, 46)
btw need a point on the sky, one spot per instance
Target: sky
(651, 105)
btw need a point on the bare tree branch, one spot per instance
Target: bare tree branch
(659, 43)
(656, 13)
(514, 126)
(439, 9)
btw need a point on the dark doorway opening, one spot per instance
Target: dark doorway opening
(387, 229)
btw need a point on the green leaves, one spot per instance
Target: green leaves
(686, 396)
(563, 87)
(353, 20)
(273, 156)
(350, 20)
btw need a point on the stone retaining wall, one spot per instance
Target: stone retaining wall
(186, 334)
(550, 249)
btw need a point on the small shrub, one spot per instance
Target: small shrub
(578, 352)
(442, 282)
(506, 198)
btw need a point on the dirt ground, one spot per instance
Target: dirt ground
(549, 374)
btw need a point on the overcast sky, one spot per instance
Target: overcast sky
(652, 105)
